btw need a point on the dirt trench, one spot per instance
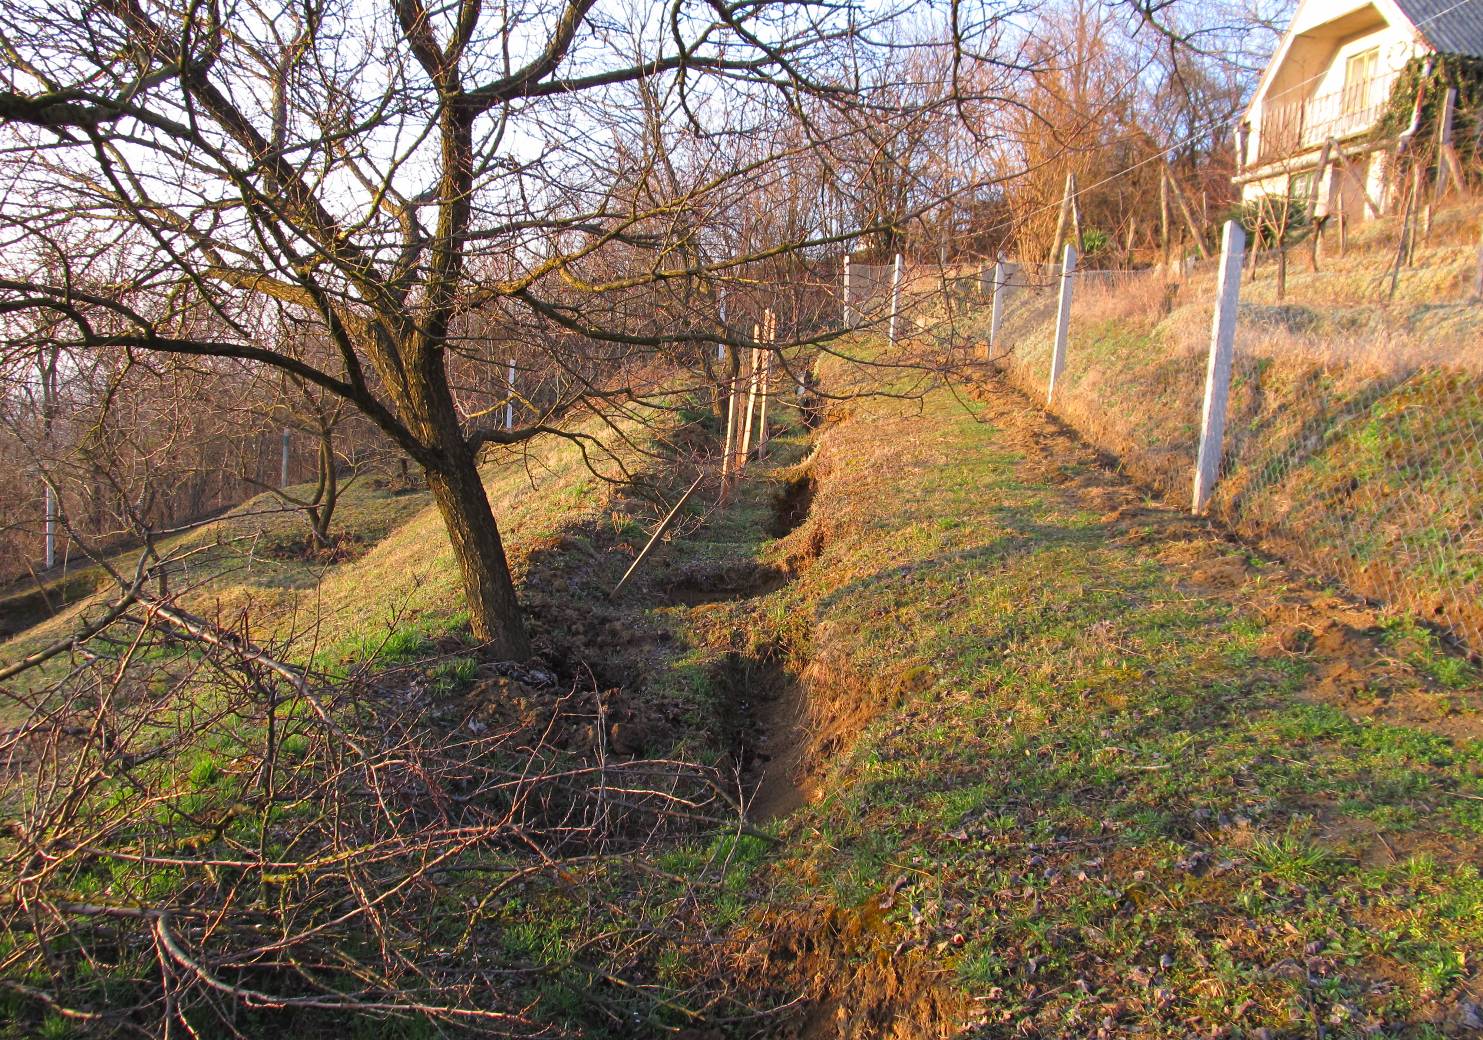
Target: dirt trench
(765, 707)
(830, 972)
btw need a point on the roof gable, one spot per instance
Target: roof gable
(1308, 16)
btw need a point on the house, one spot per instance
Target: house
(1331, 79)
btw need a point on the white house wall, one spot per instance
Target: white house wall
(1396, 47)
(1311, 63)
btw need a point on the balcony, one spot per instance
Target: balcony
(1290, 128)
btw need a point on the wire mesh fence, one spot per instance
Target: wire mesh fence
(1354, 441)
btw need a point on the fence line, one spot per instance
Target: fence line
(1347, 435)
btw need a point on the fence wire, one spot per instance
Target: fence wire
(1354, 438)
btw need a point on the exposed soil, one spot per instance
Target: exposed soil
(725, 583)
(605, 644)
(792, 505)
(770, 735)
(342, 547)
(834, 980)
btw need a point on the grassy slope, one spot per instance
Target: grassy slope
(1355, 437)
(1117, 773)
(1090, 737)
(405, 582)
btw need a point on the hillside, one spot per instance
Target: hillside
(1023, 752)
(1354, 443)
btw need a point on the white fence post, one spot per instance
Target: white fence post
(1063, 322)
(283, 461)
(1218, 371)
(1478, 277)
(510, 397)
(996, 309)
(845, 316)
(895, 299)
(51, 528)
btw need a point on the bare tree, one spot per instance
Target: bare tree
(254, 165)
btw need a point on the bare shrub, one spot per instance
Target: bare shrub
(200, 835)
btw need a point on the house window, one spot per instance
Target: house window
(1359, 72)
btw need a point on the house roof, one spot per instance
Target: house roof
(1449, 26)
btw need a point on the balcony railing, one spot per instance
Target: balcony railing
(1292, 127)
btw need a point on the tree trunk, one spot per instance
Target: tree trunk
(322, 512)
(494, 614)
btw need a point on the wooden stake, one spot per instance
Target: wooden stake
(1444, 144)
(1253, 255)
(1184, 211)
(1401, 245)
(1359, 182)
(1478, 277)
(1075, 212)
(746, 444)
(664, 525)
(771, 334)
(1164, 217)
(1062, 217)
(729, 458)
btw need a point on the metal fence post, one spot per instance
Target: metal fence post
(895, 299)
(1063, 322)
(1218, 370)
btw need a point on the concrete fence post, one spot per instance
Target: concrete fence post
(846, 316)
(283, 460)
(51, 527)
(510, 397)
(895, 299)
(1063, 322)
(1218, 369)
(996, 308)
